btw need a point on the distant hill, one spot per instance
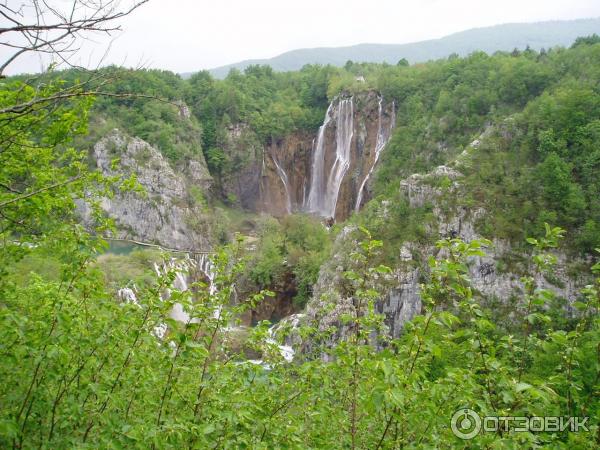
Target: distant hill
(489, 39)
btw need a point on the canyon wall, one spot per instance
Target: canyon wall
(326, 173)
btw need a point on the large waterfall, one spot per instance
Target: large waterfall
(317, 183)
(383, 136)
(325, 187)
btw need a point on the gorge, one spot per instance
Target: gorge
(336, 257)
(328, 174)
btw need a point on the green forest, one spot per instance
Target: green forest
(84, 366)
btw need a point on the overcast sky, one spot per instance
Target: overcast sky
(188, 35)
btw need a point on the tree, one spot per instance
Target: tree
(586, 40)
(560, 192)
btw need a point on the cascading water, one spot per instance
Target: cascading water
(324, 191)
(318, 181)
(286, 350)
(128, 295)
(286, 184)
(205, 266)
(383, 137)
(344, 133)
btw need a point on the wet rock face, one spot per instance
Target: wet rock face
(273, 309)
(284, 174)
(374, 119)
(166, 213)
(241, 185)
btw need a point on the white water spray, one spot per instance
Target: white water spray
(324, 190)
(181, 268)
(318, 182)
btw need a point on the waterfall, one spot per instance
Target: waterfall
(317, 182)
(382, 139)
(324, 191)
(128, 295)
(286, 350)
(205, 266)
(284, 179)
(344, 133)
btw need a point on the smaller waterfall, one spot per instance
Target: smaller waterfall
(181, 268)
(286, 350)
(382, 139)
(206, 266)
(284, 179)
(289, 324)
(128, 295)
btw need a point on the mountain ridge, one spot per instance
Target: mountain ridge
(503, 37)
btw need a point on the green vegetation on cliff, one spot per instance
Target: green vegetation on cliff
(533, 116)
(538, 153)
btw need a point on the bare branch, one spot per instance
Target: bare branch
(52, 31)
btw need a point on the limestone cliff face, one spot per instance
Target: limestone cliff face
(245, 152)
(168, 213)
(326, 173)
(401, 301)
(284, 175)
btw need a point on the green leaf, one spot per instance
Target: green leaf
(520, 387)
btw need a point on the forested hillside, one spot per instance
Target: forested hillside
(456, 271)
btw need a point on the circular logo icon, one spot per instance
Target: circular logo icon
(465, 423)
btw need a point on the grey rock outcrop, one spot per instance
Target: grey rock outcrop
(399, 302)
(167, 212)
(496, 283)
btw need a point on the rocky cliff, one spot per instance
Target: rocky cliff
(326, 173)
(169, 210)
(285, 173)
(497, 282)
